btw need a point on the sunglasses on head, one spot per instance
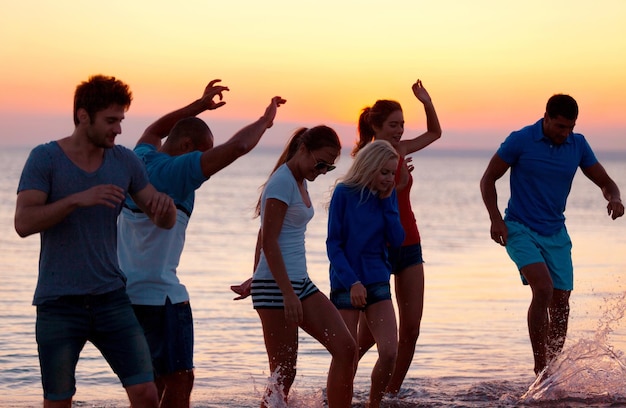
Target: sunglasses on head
(321, 165)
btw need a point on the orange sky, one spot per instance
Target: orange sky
(489, 65)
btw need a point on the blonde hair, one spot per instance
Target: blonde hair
(367, 164)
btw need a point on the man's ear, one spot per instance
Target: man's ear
(83, 116)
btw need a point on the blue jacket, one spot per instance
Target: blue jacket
(360, 226)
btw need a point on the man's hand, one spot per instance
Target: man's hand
(210, 92)
(615, 208)
(499, 232)
(109, 195)
(270, 111)
(160, 204)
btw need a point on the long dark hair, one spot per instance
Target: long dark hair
(314, 138)
(372, 116)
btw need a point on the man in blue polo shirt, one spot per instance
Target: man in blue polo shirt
(543, 158)
(149, 257)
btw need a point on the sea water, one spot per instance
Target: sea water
(473, 350)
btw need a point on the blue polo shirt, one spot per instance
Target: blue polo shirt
(541, 176)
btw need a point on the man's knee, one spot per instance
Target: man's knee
(182, 380)
(66, 403)
(538, 277)
(144, 394)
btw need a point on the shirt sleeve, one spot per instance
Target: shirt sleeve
(139, 175)
(510, 149)
(588, 157)
(336, 239)
(36, 171)
(178, 176)
(279, 188)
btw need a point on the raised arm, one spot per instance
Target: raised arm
(215, 159)
(33, 214)
(495, 170)
(610, 191)
(162, 126)
(433, 128)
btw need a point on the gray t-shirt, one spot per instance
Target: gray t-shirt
(78, 255)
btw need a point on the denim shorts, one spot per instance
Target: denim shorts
(526, 247)
(169, 331)
(402, 257)
(65, 324)
(376, 292)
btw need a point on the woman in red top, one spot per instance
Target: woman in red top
(384, 120)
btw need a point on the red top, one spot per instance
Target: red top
(407, 218)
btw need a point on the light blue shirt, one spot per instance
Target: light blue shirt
(149, 255)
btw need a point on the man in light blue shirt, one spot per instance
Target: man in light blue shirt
(543, 159)
(149, 256)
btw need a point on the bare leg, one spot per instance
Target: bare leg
(540, 282)
(353, 319)
(66, 403)
(281, 342)
(143, 395)
(364, 337)
(409, 286)
(177, 390)
(160, 384)
(324, 323)
(559, 316)
(381, 320)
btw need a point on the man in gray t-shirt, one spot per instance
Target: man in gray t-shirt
(71, 192)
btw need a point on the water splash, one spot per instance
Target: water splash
(275, 398)
(590, 369)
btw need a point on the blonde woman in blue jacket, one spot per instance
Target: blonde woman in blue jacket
(363, 220)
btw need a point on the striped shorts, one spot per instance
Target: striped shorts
(267, 295)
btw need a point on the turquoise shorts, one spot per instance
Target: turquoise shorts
(526, 247)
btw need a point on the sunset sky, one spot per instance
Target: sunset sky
(489, 65)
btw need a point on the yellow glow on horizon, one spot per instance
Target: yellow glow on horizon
(486, 63)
